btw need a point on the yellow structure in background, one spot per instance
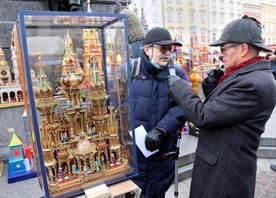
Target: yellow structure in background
(195, 80)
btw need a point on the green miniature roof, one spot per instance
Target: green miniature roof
(15, 141)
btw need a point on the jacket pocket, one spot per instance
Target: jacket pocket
(207, 156)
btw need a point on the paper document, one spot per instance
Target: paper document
(140, 134)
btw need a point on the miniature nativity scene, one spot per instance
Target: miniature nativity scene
(80, 129)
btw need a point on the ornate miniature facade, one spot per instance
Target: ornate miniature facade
(10, 88)
(80, 142)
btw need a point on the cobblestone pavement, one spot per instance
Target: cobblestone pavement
(266, 179)
(265, 182)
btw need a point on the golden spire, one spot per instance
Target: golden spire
(88, 7)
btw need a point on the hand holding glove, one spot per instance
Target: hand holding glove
(172, 80)
(155, 138)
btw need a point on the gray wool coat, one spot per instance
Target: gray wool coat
(231, 121)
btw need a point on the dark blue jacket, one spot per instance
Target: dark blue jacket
(153, 106)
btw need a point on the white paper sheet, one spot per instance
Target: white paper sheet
(140, 134)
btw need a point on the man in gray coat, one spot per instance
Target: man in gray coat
(232, 117)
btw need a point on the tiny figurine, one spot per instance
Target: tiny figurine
(93, 131)
(71, 134)
(63, 137)
(89, 130)
(75, 171)
(60, 175)
(102, 160)
(112, 160)
(85, 170)
(65, 170)
(97, 166)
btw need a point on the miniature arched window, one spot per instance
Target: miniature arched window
(12, 97)
(5, 97)
(79, 123)
(89, 163)
(52, 137)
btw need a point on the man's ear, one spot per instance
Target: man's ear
(146, 50)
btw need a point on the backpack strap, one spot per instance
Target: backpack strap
(135, 69)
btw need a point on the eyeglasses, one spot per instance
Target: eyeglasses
(163, 48)
(223, 49)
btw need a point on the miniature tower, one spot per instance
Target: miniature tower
(45, 104)
(14, 57)
(71, 81)
(88, 7)
(16, 158)
(116, 60)
(91, 49)
(19, 166)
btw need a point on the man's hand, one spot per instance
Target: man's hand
(272, 57)
(172, 79)
(155, 138)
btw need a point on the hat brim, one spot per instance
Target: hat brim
(261, 46)
(167, 42)
(217, 43)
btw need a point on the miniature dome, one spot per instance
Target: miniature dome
(3, 62)
(84, 146)
(72, 79)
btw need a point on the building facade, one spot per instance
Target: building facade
(202, 21)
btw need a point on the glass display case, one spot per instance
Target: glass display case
(74, 73)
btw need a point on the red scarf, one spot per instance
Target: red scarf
(236, 67)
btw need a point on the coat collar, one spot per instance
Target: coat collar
(264, 65)
(149, 70)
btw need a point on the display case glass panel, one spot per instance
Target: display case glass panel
(77, 98)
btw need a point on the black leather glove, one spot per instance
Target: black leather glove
(172, 79)
(155, 138)
(210, 82)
